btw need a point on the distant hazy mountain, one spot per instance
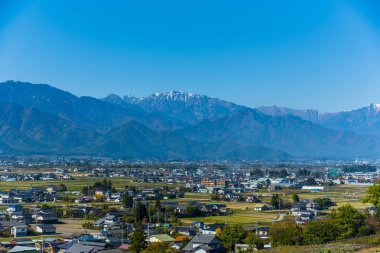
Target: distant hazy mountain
(40, 119)
(135, 140)
(289, 134)
(308, 114)
(32, 131)
(364, 121)
(86, 111)
(186, 107)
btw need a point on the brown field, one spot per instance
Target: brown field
(71, 226)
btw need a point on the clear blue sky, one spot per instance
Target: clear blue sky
(322, 54)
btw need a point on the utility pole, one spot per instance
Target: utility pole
(150, 216)
(42, 246)
(148, 233)
(122, 232)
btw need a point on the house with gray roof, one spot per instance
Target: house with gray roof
(203, 244)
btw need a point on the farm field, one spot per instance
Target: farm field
(249, 217)
(71, 226)
(78, 183)
(244, 213)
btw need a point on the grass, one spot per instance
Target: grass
(361, 245)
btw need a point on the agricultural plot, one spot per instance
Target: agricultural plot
(248, 217)
(78, 183)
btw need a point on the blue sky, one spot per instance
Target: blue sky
(320, 54)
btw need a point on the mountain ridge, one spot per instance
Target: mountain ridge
(41, 119)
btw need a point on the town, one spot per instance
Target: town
(117, 206)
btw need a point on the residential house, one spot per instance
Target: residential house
(23, 249)
(19, 230)
(46, 229)
(203, 244)
(47, 216)
(161, 238)
(262, 207)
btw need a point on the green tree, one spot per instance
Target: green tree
(138, 238)
(253, 242)
(284, 234)
(319, 232)
(310, 181)
(276, 201)
(257, 172)
(45, 206)
(303, 172)
(283, 173)
(127, 200)
(215, 196)
(324, 203)
(192, 211)
(160, 247)
(231, 235)
(62, 188)
(274, 173)
(157, 205)
(295, 198)
(349, 221)
(140, 212)
(373, 195)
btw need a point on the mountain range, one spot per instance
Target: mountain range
(38, 119)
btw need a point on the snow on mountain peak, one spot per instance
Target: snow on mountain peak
(174, 95)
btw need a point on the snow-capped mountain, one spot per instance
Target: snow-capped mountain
(40, 119)
(183, 106)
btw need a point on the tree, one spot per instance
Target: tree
(231, 235)
(276, 201)
(283, 173)
(192, 211)
(86, 190)
(127, 200)
(303, 172)
(273, 173)
(138, 239)
(349, 221)
(295, 198)
(373, 195)
(218, 232)
(286, 234)
(104, 182)
(253, 242)
(257, 172)
(45, 206)
(157, 205)
(324, 203)
(140, 212)
(310, 181)
(160, 247)
(319, 232)
(215, 196)
(62, 188)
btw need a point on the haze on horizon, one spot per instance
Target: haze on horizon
(322, 55)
